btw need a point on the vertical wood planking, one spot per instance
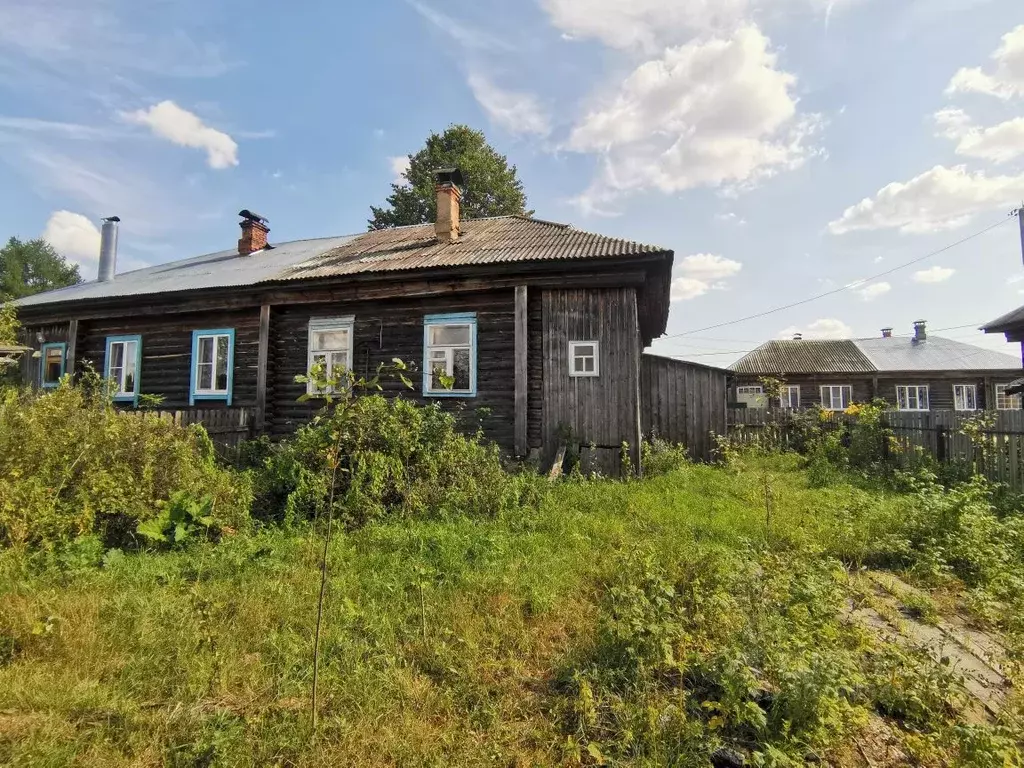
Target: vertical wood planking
(521, 371)
(262, 363)
(72, 347)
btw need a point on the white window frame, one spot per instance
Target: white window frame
(455, 320)
(751, 390)
(1006, 400)
(959, 396)
(196, 392)
(903, 392)
(828, 402)
(573, 356)
(328, 325)
(120, 393)
(786, 401)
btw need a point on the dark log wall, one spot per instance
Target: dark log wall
(167, 352)
(389, 329)
(683, 403)
(602, 410)
(29, 336)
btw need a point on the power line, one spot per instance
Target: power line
(847, 287)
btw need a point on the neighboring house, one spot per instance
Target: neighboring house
(919, 373)
(538, 323)
(1011, 325)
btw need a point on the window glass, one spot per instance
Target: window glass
(836, 397)
(449, 335)
(222, 363)
(52, 364)
(450, 358)
(122, 365)
(790, 397)
(965, 397)
(1005, 402)
(912, 398)
(584, 358)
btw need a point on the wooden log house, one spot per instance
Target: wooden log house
(542, 326)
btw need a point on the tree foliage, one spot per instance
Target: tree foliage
(492, 188)
(33, 266)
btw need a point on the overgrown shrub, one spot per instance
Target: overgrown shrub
(659, 457)
(396, 458)
(71, 464)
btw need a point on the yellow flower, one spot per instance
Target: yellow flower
(853, 409)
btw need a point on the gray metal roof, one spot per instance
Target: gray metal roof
(506, 239)
(1005, 322)
(216, 270)
(875, 355)
(935, 354)
(810, 356)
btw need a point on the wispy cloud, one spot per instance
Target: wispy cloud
(517, 113)
(700, 273)
(934, 275)
(465, 35)
(179, 126)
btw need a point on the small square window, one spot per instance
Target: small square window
(1005, 402)
(584, 358)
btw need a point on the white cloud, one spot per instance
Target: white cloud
(711, 113)
(1014, 279)
(517, 113)
(873, 291)
(74, 237)
(650, 25)
(939, 199)
(399, 166)
(179, 126)
(1005, 79)
(934, 275)
(825, 328)
(686, 288)
(731, 218)
(700, 273)
(998, 144)
(708, 266)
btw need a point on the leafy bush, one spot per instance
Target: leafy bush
(395, 458)
(659, 457)
(70, 464)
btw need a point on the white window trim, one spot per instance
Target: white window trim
(751, 390)
(830, 387)
(787, 401)
(467, 319)
(973, 388)
(319, 325)
(1005, 397)
(918, 387)
(572, 359)
(198, 361)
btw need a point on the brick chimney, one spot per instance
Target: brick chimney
(254, 232)
(920, 331)
(887, 333)
(449, 195)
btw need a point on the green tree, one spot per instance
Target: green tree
(33, 266)
(492, 185)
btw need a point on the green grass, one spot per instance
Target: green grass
(467, 642)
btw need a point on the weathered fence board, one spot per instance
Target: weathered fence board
(228, 428)
(997, 452)
(683, 403)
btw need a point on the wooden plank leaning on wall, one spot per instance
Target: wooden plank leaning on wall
(262, 361)
(521, 443)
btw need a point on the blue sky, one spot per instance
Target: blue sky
(782, 148)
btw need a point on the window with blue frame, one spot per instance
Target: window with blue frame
(213, 363)
(52, 362)
(123, 367)
(449, 355)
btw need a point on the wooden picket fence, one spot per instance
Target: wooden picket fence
(228, 428)
(997, 452)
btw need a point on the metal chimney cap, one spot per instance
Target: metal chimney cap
(450, 176)
(115, 219)
(245, 213)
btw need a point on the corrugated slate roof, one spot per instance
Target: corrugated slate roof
(483, 241)
(875, 355)
(810, 356)
(935, 354)
(505, 239)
